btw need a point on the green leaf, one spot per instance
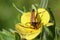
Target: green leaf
(17, 8)
(57, 33)
(44, 3)
(33, 7)
(48, 31)
(17, 36)
(6, 35)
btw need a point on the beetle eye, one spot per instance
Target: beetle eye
(33, 10)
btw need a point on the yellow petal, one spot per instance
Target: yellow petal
(45, 17)
(49, 24)
(25, 18)
(29, 39)
(27, 33)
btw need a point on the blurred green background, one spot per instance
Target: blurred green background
(8, 14)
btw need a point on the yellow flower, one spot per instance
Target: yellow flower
(25, 29)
